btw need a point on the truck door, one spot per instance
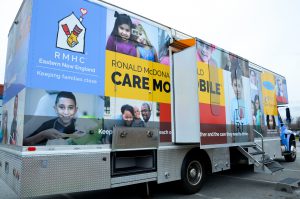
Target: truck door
(185, 106)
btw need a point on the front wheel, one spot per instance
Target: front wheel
(193, 174)
(291, 157)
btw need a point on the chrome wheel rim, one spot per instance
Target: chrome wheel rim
(194, 172)
(293, 151)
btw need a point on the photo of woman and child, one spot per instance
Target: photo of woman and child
(131, 39)
(131, 115)
(61, 127)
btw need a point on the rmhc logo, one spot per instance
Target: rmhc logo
(73, 40)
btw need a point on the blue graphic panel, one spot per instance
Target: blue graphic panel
(17, 53)
(68, 46)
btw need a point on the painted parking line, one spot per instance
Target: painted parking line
(295, 170)
(67, 196)
(249, 179)
(205, 196)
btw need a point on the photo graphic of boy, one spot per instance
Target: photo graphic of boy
(238, 109)
(63, 126)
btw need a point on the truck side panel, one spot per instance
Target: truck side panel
(223, 89)
(85, 57)
(18, 52)
(269, 104)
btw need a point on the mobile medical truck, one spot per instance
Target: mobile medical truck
(97, 97)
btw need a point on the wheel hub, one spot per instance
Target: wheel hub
(194, 174)
(293, 151)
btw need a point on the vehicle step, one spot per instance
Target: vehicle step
(273, 166)
(247, 146)
(288, 185)
(267, 161)
(257, 153)
(274, 169)
(291, 181)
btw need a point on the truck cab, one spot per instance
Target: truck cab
(287, 135)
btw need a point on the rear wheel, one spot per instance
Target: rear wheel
(193, 174)
(291, 157)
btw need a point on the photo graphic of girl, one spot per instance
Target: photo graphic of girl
(271, 123)
(164, 42)
(145, 50)
(280, 91)
(257, 113)
(204, 53)
(120, 39)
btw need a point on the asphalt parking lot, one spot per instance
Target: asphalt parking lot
(238, 183)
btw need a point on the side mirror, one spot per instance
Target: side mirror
(280, 121)
(288, 116)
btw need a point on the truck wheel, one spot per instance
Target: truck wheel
(292, 156)
(193, 174)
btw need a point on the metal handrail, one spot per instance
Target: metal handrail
(262, 143)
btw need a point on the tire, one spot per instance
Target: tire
(291, 157)
(193, 175)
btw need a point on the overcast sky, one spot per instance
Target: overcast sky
(266, 32)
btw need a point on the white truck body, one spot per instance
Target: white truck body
(192, 117)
